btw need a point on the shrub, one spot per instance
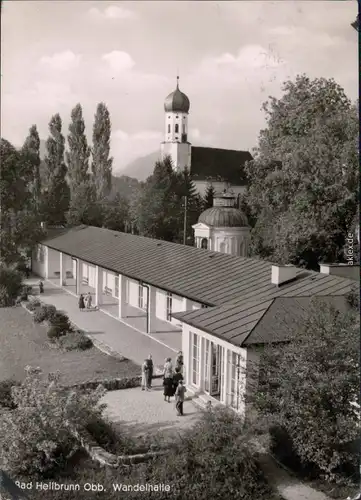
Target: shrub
(76, 341)
(11, 283)
(37, 434)
(54, 332)
(215, 460)
(33, 305)
(49, 311)
(61, 321)
(6, 398)
(39, 315)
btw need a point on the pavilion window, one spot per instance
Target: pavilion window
(176, 128)
(169, 306)
(140, 296)
(195, 359)
(204, 243)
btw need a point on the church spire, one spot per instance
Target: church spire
(177, 81)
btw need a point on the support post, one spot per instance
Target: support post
(98, 286)
(79, 276)
(62, 278)
(122, 296)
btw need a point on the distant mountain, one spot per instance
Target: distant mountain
(141, 168)
(125, 186)
(122, 184)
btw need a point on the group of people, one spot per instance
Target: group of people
(85, 302)
(173, 382)
(172, 379)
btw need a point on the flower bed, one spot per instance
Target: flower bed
(61, 332)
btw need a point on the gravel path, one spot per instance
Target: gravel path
(144, 413)
(23, 343)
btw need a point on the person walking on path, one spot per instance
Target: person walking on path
(168, 380)
(144, 382)
(41, 287)
(81, 303)
(88, 300)
(150, 371)
(179, 361)
(179, 397)
(176, 378)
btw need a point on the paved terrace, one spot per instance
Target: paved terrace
(110, 332)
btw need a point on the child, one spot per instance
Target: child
(179, 397)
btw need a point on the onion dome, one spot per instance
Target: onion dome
(223, 213)
(177, 101)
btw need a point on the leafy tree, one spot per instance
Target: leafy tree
(304, 177)
(208, 197)
(31, 154)
(10, 285)
(307, 387)
(216, 459)
(37, 434)
(101, 162)
(19, 228)
(116, 213)
(56, 190)
(158, 208)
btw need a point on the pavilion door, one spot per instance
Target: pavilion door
(217, 353)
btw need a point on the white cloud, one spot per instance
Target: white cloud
(112, 12)
(62, 61)
(118, 61)
(248, 57)
(197, 138)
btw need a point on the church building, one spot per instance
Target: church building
(222, 168)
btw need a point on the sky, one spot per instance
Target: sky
(230, 57)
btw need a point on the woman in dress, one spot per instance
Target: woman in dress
(88, 300)
(81, 303)
(144, 382)
(150, 371)
(168, 380)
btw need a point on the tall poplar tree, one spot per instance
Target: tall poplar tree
(56, 190)
(82, 192)
(31, 157)
(101, 161)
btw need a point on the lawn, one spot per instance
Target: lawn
(23, 343)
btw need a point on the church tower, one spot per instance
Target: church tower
(175, 144)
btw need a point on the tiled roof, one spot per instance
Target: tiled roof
(219, 164)
(257, 322)
(239, 288)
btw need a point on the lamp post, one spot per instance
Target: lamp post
(185, 220)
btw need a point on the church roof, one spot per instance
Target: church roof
(223, 217)
(177, 101)
(219, 164)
